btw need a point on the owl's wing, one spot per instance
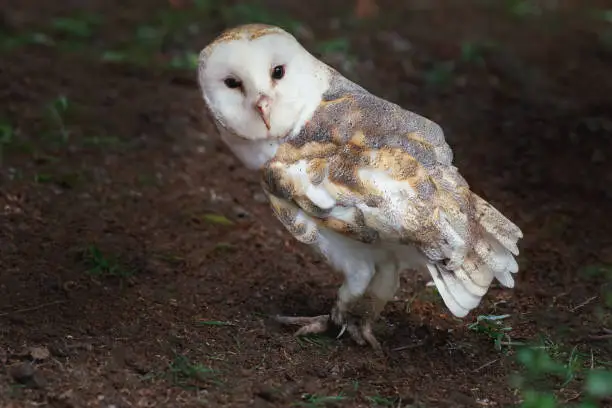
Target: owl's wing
(369, 170)
(380, 195)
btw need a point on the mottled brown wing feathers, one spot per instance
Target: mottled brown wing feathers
(366, 168)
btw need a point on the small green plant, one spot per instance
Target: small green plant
(114, 56)
(493, 327)
(440, 74)
(213, 323)
(379, 401)
(170, 258)
(185, 60)
(57, 110)
(186, 374)
(313, 340)
(524, 8)
(606, 15)
(216, 219)
(100, 265)
(472, 52)
(542, 373)
(79, 26)
(62, 179)
(312, 400)
(603, 274)
(150, 40)
(42, 178)
(7, 134)
(11, 41)
(335, 45)
(102, 141)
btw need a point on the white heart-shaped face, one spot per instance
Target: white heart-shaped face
(255, 74)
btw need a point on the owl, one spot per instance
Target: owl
(368, 185)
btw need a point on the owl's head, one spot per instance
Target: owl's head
(259, 82)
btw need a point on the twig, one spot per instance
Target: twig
(486, 365)
(29, 309)
(407, 347)
(511, 343)
(586, 302)
(600, 337)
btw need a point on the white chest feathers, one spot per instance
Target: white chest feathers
(252, 153)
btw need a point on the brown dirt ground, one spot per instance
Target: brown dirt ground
(531, 129)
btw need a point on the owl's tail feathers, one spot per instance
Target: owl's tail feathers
(492, 256)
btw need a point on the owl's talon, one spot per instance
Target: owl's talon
(342, 330)
(360, 331)
(368, 336)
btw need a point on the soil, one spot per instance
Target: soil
(118, 288)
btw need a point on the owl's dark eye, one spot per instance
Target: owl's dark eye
(278, 72)
(232, 83)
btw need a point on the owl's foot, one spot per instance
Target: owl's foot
(310, 325)
(360, 329)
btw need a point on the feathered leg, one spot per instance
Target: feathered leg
(364, 313)
(345, 313)
(360, 301)
(352, 313)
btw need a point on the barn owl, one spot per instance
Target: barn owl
(368, 185)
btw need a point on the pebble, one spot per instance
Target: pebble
(260, 198)
(40, 353)
(240, 212)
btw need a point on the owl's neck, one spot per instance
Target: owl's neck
(253, 154)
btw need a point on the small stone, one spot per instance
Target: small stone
(240, 212)
(260, 197)
(40, 353)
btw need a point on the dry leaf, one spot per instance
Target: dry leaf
(40, 353)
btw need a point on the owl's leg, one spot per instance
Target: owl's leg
(345, 312)
(360, 315)
(383, 287)
(349, 311)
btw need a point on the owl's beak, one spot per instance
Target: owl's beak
(263, 107)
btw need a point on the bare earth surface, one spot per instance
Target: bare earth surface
(139, 264)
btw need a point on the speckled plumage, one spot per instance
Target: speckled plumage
(372, 187)
(371, 171)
